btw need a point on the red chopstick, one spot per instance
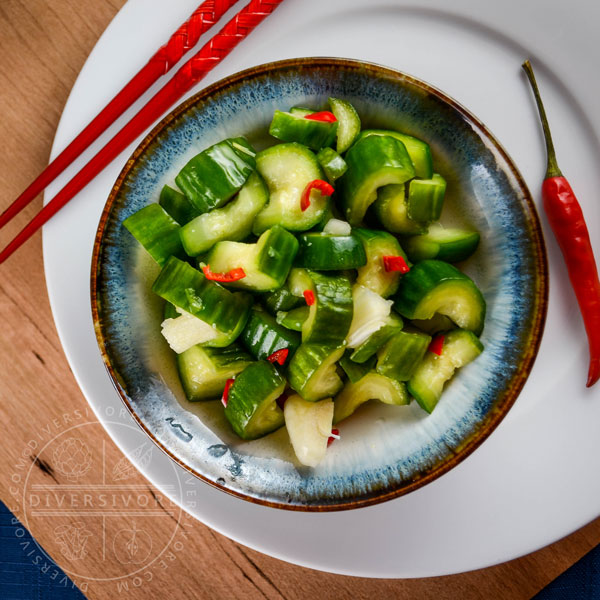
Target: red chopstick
(185, 38)
(211, 54)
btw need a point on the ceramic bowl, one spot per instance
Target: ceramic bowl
(384, 451)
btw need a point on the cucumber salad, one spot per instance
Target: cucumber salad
(308, 278)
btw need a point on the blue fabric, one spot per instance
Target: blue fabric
(580, 582)
(25, 574)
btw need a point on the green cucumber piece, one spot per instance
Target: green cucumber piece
(287, 169)
(371, 386)
(356, 371)
(309, 427)
(188, 289)
(263, 335)
(212, 177)
(426, 385)
(391, 208)
(371, 313)
(295, 127)
(435, 324)
(330, 316)
(204, 371)
(401, 355)
(312, 371)
(232, 222)
(392, 325)
(433, 286)
(266, 263)
(324, 252)
(281, 300)
(301, 111)
(156, 231)
(177, 205)
(373, 162)
(418, 150)
(332, 163)
(373, 275)
(426, 199)
(349, 123)
(293, 319)
(450, 245)
(252, 408)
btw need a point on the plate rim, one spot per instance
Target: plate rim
(541, 295)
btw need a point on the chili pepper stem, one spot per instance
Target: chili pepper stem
(552, 169)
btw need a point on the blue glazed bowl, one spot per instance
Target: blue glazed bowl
(385, 451)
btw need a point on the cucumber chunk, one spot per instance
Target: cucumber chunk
(426, 199)
(266, 263)
(371, 386)
(252, 408)
(177, 205)
(373, 162)
(436, 324)
(371, 312)
(204, 371)
(312, 371)
(287, 169)
(391, 208)
(263, 335)
(156, 231)
(433, 286)
(373, 275)
(232, 222)
(326, 252)
(356, 371)
(187, 288)
(293, 319)
(418, 150)
(348, 123)
(402, 354)
(450, 245)
(392, 325)
(309, 427)
(330, 316)
(281, 300)
(426, 385)
(295, 127)
(332, 163)
(212, 177)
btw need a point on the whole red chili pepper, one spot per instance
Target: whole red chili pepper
(566, 219)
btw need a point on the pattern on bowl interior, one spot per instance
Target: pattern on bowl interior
(385, 451)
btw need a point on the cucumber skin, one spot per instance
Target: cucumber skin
(373, 275)
(349, 123)
(259, 382)
(278, 254)
(212, 177)
(188, 289)
(263, 335)
(332, 310)
(177, 205)
(420, 389)
(227, 362)
(289, 127)
(324, 252)
(423, 247)
(391, 208)
(424, 278)
(373, 162)
(281, 300)
(401, 355)
(156, 231)
(294, 318)
(306, 364)
(354, 370)
(426, 199)
(332, 164)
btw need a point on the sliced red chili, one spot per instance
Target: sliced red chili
(395, 263)
(437, 344)
(325, 188)
(324, 115)
(233, 275)
(279, 356)
(281, 400)
(225, 396)
(335, 435)
(309, 296)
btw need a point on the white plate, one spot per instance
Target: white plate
(535, 479)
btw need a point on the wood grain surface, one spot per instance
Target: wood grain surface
(43, 45)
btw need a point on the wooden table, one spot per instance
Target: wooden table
(43, 46)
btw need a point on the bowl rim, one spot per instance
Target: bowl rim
(514, 386)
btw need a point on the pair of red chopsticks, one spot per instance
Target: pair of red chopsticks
(195, 69)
